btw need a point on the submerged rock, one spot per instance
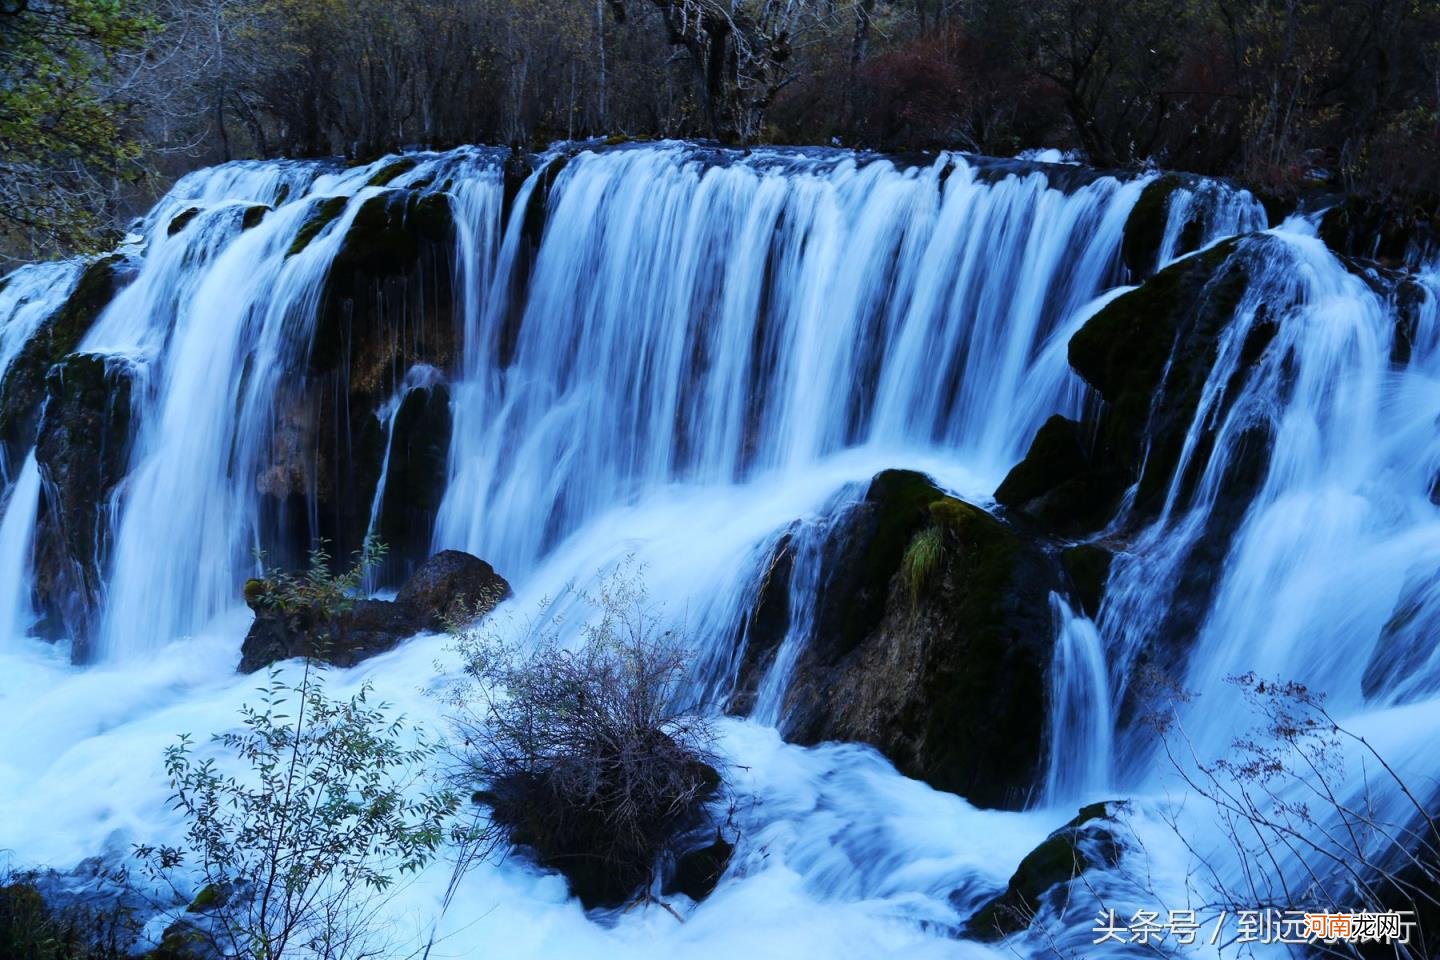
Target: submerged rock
(449, 586)
(932, 642)
(1090, 840)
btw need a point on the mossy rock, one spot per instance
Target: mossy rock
(1087, 842)
(1061, 483)
(1149, 353)
(415, 484)
(252, 216)
(181, 220)
(23, 387)
(1145, 227)
(946, 676)
(1088, 567)
(1381, 230)
(321, 216)
(391, 170)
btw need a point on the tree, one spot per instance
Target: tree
(291, 854)
(63, 110)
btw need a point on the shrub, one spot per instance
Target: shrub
(315, 589)
(1299, 835)
(32, 929)
(585, 754)
(291, 856)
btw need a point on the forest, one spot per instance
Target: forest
(105, 102)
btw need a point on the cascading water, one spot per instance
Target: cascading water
(688, 355)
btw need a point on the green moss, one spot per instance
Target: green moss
(321, 216)
(181, 221)
(390, 171)
(253, 215)
(209, 897)
(1060, 858)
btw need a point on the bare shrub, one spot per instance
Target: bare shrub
(585, 753)
(1301, 836)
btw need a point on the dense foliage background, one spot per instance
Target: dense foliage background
(98, 95)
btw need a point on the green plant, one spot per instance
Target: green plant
(327, 811)
(922, 559)
(32, 929)
(315, 588)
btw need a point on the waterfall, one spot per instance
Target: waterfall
(17, 537)
(699, 357)
(1081, 719)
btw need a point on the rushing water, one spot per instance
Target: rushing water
(706, 352)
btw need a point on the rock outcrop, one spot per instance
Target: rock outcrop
(932, 642)
(83, 452)
(449, 585)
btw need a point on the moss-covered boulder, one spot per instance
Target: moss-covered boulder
(321, 215)
(23, 389)
(1145, 227)
(1091, 840)
(83, 451)
(932, 641)
(181, 220)
(1148, 354)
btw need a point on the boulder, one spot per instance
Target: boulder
(417, 469)
(932, 641)
(450, 586)
(1148, 354)
(1092, 839)
(366, 628)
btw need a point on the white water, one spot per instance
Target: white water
(700, 356)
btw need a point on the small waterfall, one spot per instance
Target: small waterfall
(17, 539)
(1081, 719)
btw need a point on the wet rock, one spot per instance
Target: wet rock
(23, 389)
(391, 170)
(698, 871)
(321, 216)
(1388, 231)
(1062, 482)
(450, 586)
(416, 474)
(1145, 227)
(1088, 567)
(344, 638)
(764, 627)
(83, 452)
(1148, 354)
(181, 220)
(932, 643)
(1090, 841)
